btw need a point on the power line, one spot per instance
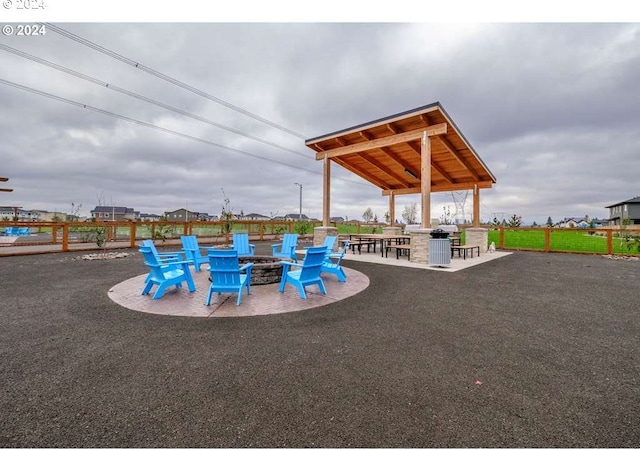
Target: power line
(141, 97)
(158, 128)
(119, 57)
(148, 125)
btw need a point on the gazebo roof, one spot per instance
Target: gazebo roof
(387, 152)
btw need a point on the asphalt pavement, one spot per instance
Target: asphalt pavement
(529, 350)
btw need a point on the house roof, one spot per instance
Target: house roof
(387, 152)
(632, 200)
(297, 216)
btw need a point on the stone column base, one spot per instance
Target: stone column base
(321, 232)
(477, 237)
(420, 245)
(392, 230)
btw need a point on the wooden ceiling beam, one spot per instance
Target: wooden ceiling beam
(457, 156)
(364, 175)
(416, 134)
(442, 173)
(394, 157)
(416, 147)
(441, 188)
(393, 128)
(383, 168)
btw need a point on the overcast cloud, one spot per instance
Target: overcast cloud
(552, 109)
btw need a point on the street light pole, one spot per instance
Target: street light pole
(298, 184)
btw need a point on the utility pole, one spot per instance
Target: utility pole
(298, 184)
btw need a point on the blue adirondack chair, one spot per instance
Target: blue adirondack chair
(170, 256)
(226, 274)
(309, 272)
(242, 246)
(331, 263)
(286, 249)
(165, 274)
(193, 252)
(163, 257)
(329, 242)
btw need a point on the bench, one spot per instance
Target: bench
(399, 248)
(357, 243)
(464, 249)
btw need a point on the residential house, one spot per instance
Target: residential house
(336, 220)
(19, 214)
(254, 216)
(114, 213)
(573, 222)
(149, 217)
(296, 217)
(629, 209)
(187, 215)
(53, 216)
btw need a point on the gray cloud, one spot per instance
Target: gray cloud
(552, 109)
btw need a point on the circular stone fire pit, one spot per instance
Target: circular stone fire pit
(265, 270)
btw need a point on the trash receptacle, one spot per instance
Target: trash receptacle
(439, 248)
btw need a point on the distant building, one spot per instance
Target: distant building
(336, 220)
(255, 216)
(114, 213)
(574, 223)
(149, 217)
(296, 217)
(11, 213)
(187, 215)
(629, 209)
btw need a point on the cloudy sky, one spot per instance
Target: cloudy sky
(553, 109)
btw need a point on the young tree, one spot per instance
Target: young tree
(74, 215)
(226, 215)
(367, 216)
(446, 218)
(410, 213)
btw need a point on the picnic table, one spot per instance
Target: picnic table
(359, 240)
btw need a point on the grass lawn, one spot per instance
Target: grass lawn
(575, 241)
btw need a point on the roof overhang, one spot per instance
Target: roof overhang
(387, 152)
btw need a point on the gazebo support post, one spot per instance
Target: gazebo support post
(420, 237)
(476, 206)
(326, 192)
(320, 232)
(392, 209)
(477, 236)
(425, 180)
(392, 229)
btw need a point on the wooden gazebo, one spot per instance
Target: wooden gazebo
(417, 151)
